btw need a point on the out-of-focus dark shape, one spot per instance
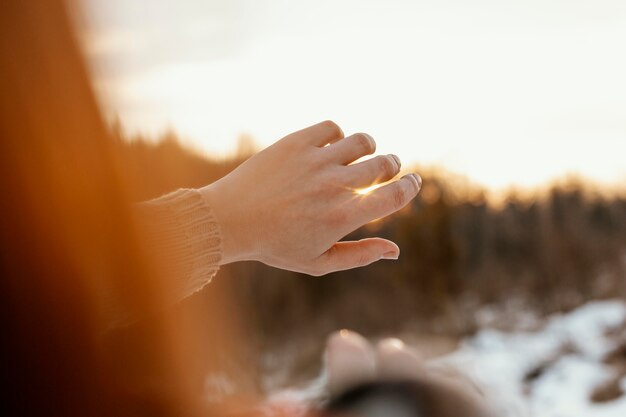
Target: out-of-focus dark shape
(419, 397)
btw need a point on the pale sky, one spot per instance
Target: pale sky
(506, 92)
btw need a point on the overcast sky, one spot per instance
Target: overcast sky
(505, 92)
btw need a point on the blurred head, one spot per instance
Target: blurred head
(68, 246)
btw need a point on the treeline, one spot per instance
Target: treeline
(551, 253)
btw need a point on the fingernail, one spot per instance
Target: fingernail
(418, 179)
(372, 142)
(413, 179)
(391, 255)
(397, 159)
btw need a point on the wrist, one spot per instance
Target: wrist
(233, 244)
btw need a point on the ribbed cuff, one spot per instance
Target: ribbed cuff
(183, 231)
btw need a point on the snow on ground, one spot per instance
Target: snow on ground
(552, 372)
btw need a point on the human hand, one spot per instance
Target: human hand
(289, 205)
(351, 360)
(390, 379)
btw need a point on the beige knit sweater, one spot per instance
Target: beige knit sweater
(183, 232)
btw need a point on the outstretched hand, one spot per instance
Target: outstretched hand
(289, 205)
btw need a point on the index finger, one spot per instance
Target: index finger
(320, 134)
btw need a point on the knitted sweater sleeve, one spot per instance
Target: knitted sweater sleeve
(181, 229)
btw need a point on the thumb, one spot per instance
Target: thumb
(349, 360)
(353, 254)
(395, 360)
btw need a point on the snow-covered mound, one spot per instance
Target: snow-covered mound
(572, 367)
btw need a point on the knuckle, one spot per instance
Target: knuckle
(332, 127)
(292, 143)
(387, 167)
(399, 197)
(365, 143)
(363, 259)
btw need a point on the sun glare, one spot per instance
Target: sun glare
(365, 191)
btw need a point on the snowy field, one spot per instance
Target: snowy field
(570, 365)
(573, 366)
